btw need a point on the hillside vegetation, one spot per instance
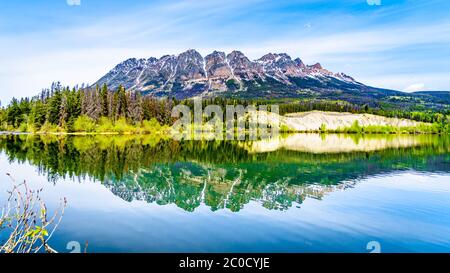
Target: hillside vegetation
(100, 110)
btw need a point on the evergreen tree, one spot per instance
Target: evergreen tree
(13, 112)
(54, 107)
(63, 112)
(122, 102)
(104, 100)
(74, 106)
(38, 114)
(149, 108)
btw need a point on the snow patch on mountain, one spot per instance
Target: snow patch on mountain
(190, 74)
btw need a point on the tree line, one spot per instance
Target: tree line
(343, 106)
(83, 109)
(62, 107)
(294, 106)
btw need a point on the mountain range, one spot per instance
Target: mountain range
(274, 75)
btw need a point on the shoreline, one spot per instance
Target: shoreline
(246, 133)
(301, 122)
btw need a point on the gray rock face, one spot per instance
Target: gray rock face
(243, 67)
(190, 66)
(217, 66)
(281, 67)
(189, 74)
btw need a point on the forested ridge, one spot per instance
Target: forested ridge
(98, 109)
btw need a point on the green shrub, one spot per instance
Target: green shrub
(355, 128)
(151, 126)
(84, 124)
(4, 126)
(105, 125)
(378, 129)
(48, 127)
(22, 127)
(285, 128)
(121, 126)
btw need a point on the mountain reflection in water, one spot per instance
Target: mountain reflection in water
(277, 173)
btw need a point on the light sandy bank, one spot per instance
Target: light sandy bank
(336, 143)
(309, 121)
(313, 120)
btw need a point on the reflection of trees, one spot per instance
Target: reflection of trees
(218, 174)
(189, 184)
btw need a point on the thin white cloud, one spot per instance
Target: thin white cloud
(415, 87)
(399, 81)
(355, 42)
(73, 2)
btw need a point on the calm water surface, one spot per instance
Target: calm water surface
(297, 193)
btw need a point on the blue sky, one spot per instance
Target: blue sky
(400, 44)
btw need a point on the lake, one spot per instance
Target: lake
(295, 193)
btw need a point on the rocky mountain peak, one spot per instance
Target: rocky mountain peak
(299, 63)
(238, 59)
(190, 66)
(152, 60)
(190, 74)
(280, 66)
(269, 57)
(217, 66)
(242, 66)
(316, 66)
